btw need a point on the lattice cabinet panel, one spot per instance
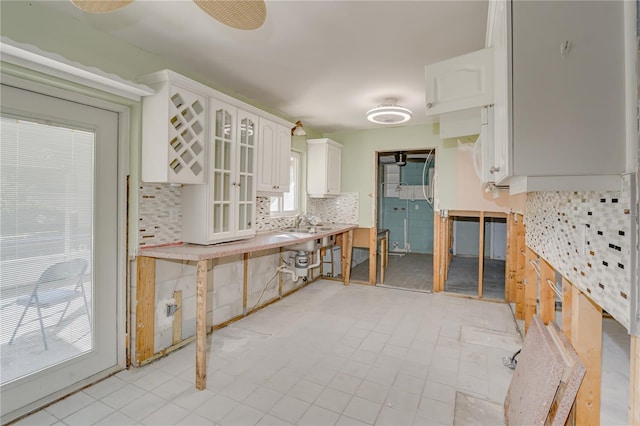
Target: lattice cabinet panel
(174, 130)
(186, 157)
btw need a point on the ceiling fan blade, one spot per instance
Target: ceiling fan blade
(240, 14)
(100, 6)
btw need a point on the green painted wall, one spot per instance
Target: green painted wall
(358, 162)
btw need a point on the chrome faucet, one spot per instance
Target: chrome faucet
(299, 219)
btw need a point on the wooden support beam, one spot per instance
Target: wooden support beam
(201, 325)
(373, 251)
(531, 286)
(481, 256)
(586, 338)
(521, 261)
(176, 325)
(447, 249)
(346, 254)
(634, 382)
(567, 307)
(436, 253)
(245, 283)
(547, 295)
(145, 307)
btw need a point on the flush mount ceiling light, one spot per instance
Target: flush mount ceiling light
(100, 6)
(389, 113)
(298, 130)
(240, 14)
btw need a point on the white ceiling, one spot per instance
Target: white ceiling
(323, 62)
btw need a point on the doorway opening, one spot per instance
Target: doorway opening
(476, 252)
(404, 217)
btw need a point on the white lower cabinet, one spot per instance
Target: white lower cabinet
(274, 152)
(224, 208)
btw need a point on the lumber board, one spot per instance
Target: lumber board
(145, 307)
(547, 295)
(373, 257)
(346, 254)
(634, 382)
(530, 286)
(520, 267)
(567, 307)
(176, 325)
(201, 325)
(586, 337)
(481, 256)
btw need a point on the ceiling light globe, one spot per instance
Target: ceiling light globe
(389, 114)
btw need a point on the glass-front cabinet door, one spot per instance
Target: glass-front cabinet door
(245, 184)
(222, 170)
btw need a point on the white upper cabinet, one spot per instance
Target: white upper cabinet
(173, 130)
(324, 164)
(274, 152)
(460, 83)
(224, 208)
(560, 94)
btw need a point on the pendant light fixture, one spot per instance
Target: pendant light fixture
(389, 113)
(298, 130)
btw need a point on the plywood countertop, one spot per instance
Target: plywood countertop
(274, 239)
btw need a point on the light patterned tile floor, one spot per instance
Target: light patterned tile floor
(325, 355)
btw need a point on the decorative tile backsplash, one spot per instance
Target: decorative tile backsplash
(340, 209)
(586, 237)
(160, 213)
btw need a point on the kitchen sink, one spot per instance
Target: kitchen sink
(311, 245)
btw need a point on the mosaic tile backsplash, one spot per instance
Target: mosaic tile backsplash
(160, 213)
(586, 237)
(340, 209)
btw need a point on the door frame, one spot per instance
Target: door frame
(123, 112)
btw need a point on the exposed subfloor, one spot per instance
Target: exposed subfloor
(327, 354)
(463, 277)
(412, 271)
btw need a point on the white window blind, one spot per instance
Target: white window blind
(46, 217)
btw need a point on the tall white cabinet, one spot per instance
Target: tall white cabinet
(224, 208)
(273, 158)
(323, 168)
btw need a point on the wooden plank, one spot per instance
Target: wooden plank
(475, 213)
(346, 254)
(567, 307)
(547, 295)
(201, 325)
(361, 237)
(586, 338)
(145, 307)
(373, 258)
(384, 255)
(634, 382)
(447, 249)
(530, 287)
(521, 262)
(511, 261)
(481, 256)
(176, 335)
(438, 256)
(245, 283)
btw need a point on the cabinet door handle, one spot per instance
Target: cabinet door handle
(494, 169)
(429, 105)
